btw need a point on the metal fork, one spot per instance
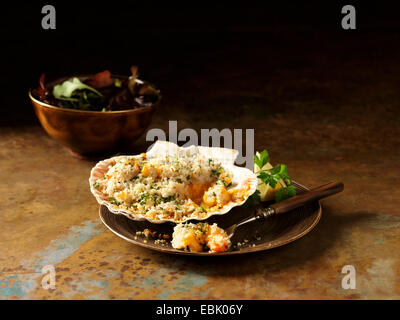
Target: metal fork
(287, 205)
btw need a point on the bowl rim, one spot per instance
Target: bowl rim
(141, 109)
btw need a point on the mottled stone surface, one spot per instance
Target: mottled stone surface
(328, 107)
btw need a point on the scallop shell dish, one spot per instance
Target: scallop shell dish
(172, 183)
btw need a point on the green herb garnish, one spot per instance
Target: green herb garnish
(113, 200)
(168, 199)
(262, 160)
(144, 197)
(285, 193)
(216, 172)
(202, 227)
(273, 176)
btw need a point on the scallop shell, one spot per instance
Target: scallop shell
(240, 176)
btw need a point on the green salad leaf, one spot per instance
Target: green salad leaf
(67, 89)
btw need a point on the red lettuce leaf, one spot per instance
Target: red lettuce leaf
(100, 80)
(42, 91)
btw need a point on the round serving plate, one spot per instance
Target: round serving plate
(273, 232)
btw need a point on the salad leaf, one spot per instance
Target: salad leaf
(132, 79)
(42, 91)
(100, 92)
(101, 80)
(122, 100)
(118, 83)
(67, 89)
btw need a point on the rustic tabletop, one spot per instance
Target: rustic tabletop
(330, 113)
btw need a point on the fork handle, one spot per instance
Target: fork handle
(301, 199)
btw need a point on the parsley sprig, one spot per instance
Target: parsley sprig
(262, 160)
(144, 197)
(285, 193)
(273, 176)
(114, 201)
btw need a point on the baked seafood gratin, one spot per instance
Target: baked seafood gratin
(200, 237)
(171, 183)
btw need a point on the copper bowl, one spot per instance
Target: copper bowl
(93, 134)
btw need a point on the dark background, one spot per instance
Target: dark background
(185, 42)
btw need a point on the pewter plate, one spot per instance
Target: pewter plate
(256, 236)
